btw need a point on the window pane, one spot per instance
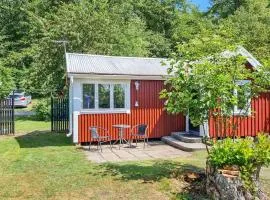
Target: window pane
(104, 95)
(119, 96)
(242, 98)
(88, 96)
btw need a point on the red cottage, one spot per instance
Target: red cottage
(108, 90)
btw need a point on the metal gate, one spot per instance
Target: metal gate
(59, 114)
(7, 122)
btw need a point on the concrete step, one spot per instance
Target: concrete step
(186, 137)
(182, 145)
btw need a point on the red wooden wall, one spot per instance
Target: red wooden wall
(150, 111)
(259, 121)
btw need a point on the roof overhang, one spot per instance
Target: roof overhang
(116, 76)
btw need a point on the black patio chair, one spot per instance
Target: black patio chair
(139, 132)
(95, 134)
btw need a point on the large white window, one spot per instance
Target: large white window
(106, 97)
(242, 93)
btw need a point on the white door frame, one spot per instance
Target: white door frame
(203, 126)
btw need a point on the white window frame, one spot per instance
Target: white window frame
(96, 101)
(238, 111)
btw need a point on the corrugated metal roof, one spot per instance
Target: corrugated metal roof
(134, 66)
(115, 65)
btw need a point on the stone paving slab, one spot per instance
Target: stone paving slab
(155, 150)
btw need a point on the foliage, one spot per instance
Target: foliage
(224, 8)
(42, 110)
(126, 28)
(210, 85)
(248, 154)
(6, 81)
(231, 152)
(198, 87)
(121, 27)
(249, 26)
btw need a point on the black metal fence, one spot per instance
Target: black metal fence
(59, 114)
(7, 122)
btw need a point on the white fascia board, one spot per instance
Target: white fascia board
(250, 58)
(118, 77)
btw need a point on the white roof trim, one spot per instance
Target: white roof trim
(250, 58)
(118, 77)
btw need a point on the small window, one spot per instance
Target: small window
(119, 95)
(242, 93)
(103, 95)
(88, 96)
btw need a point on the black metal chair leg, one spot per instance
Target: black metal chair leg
(144, 143)
(100, 146)
(130, 141)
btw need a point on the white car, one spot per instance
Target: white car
(21, 99)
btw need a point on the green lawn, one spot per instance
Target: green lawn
(43, 165)
(27, 125)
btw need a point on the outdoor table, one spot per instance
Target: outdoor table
(121, 128)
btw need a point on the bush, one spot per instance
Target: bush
(241, 152)
(248, 154)
(42, 110)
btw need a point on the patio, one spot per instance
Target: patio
(155, 150)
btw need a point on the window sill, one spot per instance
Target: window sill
(85, 111)
(242, 114)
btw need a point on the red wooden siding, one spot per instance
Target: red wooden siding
(150, 111)
(259, 121)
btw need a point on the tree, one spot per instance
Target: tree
(249, 26)
(224, 8)
(6, 82)
(96, 28)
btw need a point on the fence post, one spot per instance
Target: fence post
(13, 116)
(52, 115)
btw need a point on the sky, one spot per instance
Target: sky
(202, 4)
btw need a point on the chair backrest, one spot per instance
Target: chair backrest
(94, 132)
(142, 129)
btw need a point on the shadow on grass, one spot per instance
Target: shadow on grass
(155, 171)
(147, 171)
(37, 139)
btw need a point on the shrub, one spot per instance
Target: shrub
(248, 154)
(42, 109)
(241, 152)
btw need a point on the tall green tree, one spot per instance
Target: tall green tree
(224, 8)
(96, 28)
(6, 81)
(250, 26)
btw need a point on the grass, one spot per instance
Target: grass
(43, 165)
(28, 124)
